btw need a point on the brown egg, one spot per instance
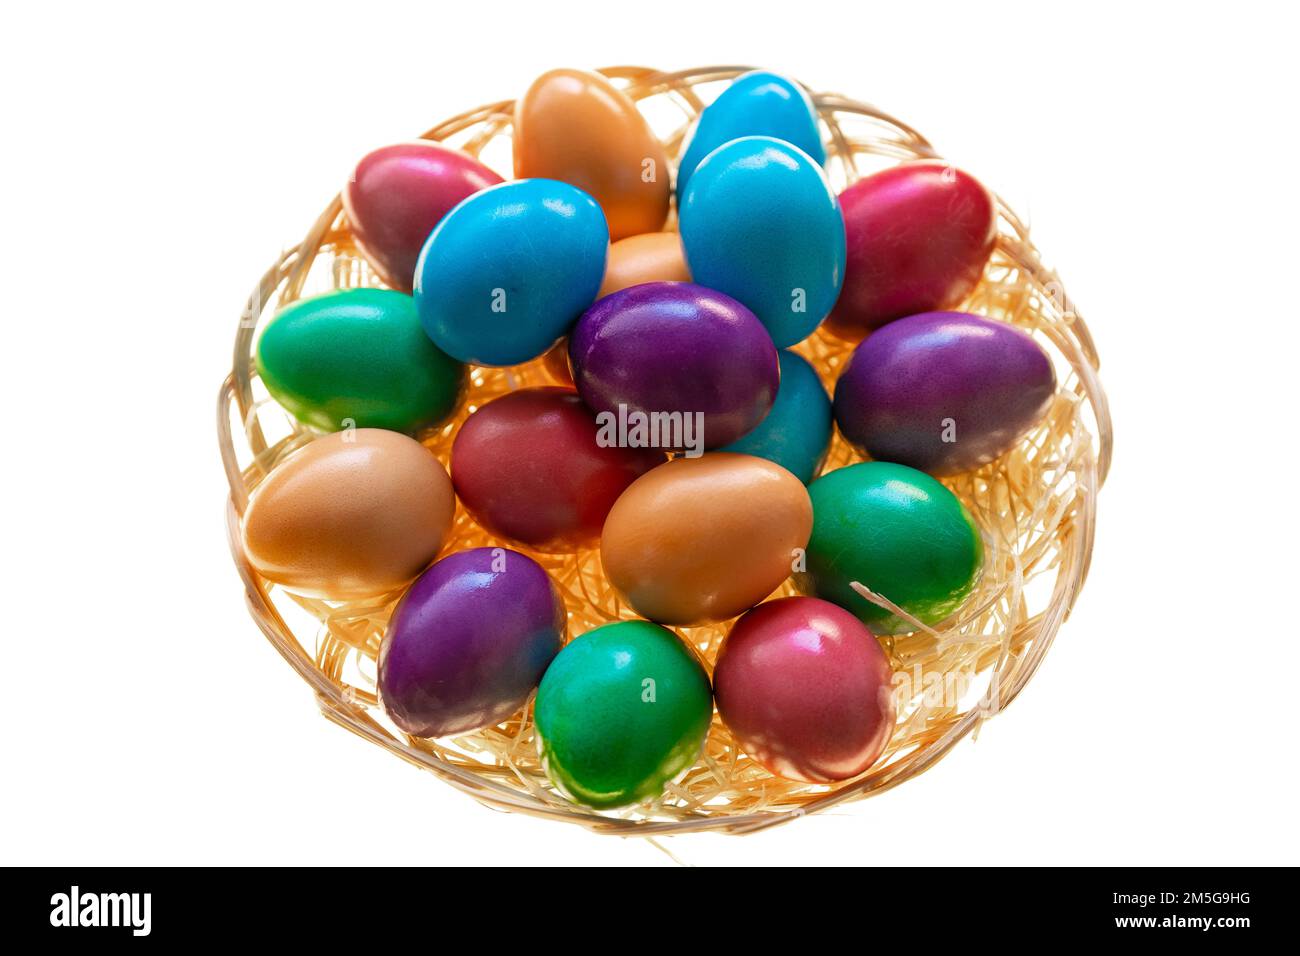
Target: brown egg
(649, 257)
(577, 127)
(702, 539)
(355, 514)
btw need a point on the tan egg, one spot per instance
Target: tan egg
(577, 127)
(699, 540)
(353, 515)
(649, 257)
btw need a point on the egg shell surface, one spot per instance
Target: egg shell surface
(700, 540)
(355, 514)
(507, 272)
(623, 709)
(760, 222)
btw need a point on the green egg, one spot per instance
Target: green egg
(899, 532)
(621, 711)
(358, 358)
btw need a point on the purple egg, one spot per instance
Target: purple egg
(943, 392)
(675, 348)
(469, 642)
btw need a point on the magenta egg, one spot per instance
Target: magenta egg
(918, 237)
(806, 690)
(674, 358)
(398, 194)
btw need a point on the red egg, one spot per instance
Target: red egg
(397, 195)
(918, 237)
(529, 468)
(806, 690)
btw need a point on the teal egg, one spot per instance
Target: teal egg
(797, 431)
(760, 223)
(357, 358)
(755, 104)
(509, 269)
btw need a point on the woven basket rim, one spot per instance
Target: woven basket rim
(284, 281)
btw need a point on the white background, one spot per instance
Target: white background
(156, 160)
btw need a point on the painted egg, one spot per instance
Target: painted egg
(623, 709)
(797, 431)
(759, 222)
(398, 194)
(579, 128)
(531, 466)
(508, 271)
(355, 514)
(944, 392)
(918, 235)
(357, 358)
(702, 539)
(896, 531)
(678, 365)
(650, 257)
(806, 690)
(755, 104)
(468, 642)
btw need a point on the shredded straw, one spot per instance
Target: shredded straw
(1036, 508)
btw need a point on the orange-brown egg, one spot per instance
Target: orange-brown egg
(649, 257)
(702, 539)
(579, 128)
(353, 515)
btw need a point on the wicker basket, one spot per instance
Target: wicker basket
(1035, 507)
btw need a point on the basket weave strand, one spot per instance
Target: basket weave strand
(1035, 506)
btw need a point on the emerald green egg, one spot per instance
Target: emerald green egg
(621, 711)
(358, 358)
(899, 532)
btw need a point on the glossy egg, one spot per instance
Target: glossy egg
(509, 270)
(897, 531)
(674, 348)
(755, 104)
(469, 642)
(649, 257)
(806, 690)
(579, 128)
(759, 222)
(623, 709)
(357, 358)
(944, 392)
(398, 194)
(797, 431)
(700, 540)
(354, 514)
(530, 467)
(919, 235)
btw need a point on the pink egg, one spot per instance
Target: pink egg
(806, 690)
(918, 237)
(397, 195)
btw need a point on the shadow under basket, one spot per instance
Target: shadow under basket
(1035, 507)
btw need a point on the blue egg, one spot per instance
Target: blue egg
(755, 104)
(760, 223)
(797, 431)
(507, 271)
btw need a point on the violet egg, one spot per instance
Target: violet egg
(469, 642)
(674, 365)
(943, 392)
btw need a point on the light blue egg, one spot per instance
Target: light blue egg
(755, 104)
(509, 269)
(760, 223)
(797, 431)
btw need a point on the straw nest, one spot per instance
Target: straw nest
(1036, 507)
